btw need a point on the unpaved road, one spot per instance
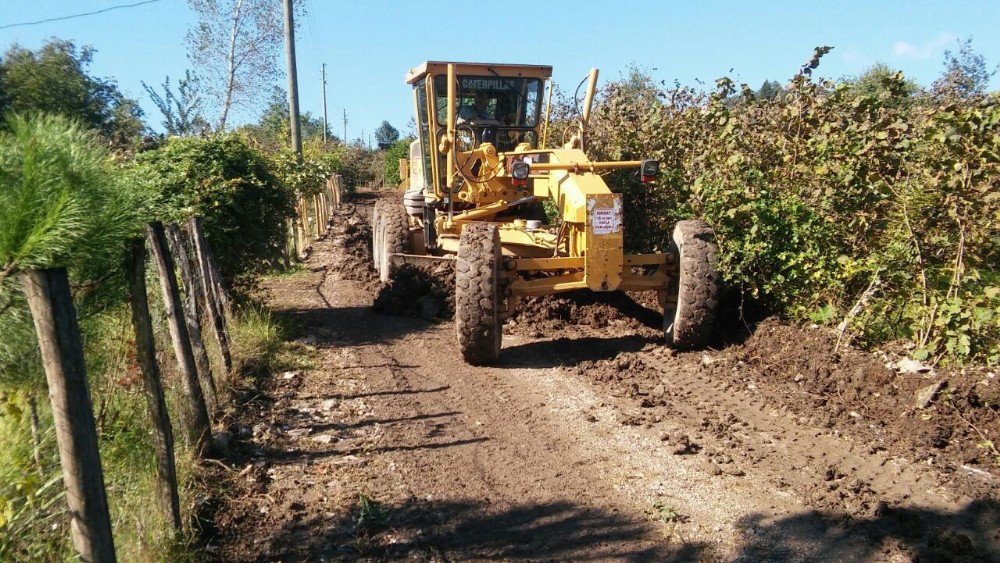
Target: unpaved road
(584, 443)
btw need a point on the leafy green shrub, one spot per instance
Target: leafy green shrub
(828, 196)
(400, 149)
(231, 186)
(309, 176)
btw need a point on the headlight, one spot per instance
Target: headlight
(519, 172)
(649, 169)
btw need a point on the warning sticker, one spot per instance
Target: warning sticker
(604, 221)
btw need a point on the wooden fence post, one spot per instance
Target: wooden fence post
(317, 214)
(304, 230)
(210, 291)
(321, 198)
(288, 247)
(192, 317)
(52, 311)
(163, 434)
(196, 415)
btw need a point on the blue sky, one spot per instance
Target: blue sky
(369, 45)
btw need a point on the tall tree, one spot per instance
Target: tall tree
(769, 90)
(55, 79)
(273, 130)
(880, 78)
(236, 44)
(182, 112)
(386, 135)
(965, 72)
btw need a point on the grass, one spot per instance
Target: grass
(665, 513)
(262, 343)
(33, 522)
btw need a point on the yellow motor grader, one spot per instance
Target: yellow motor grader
(475, 184)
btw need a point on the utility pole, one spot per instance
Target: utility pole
(345, 126)
(324, 103)
(293, 80)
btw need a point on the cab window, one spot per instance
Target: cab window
(511, 102)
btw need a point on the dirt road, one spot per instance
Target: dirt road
(587, 442)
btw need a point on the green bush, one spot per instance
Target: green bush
(308, 177)
(827, 196)
(400, 149)
(231, 186)
(61, 204)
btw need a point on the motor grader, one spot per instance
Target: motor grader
(475, 184)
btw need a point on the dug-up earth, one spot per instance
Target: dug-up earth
(589, 440)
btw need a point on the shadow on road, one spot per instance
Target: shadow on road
(918, 534)
(569, 351)
(350, 326)
(278, 456)
(382, 421)
(458, 530)
(389, 393)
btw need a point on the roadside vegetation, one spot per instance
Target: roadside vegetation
(80, 174)
(867, 203)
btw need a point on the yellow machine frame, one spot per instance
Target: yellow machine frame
(586, 251)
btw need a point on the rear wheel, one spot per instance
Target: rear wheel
(688, 322)
(394, 229)
(477, 297)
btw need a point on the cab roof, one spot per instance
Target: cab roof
(478, 69)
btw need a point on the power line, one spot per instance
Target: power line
(61, 18)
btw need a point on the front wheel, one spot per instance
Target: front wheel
(688, 322)
(477, 297)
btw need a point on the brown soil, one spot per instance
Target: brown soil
(591, 441)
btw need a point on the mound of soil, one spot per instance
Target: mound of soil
(937, 416)
(413, 291)
(352, 234)
(947, 419)
(613, 313)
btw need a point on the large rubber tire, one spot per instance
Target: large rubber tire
(477, 298)
(394, 237)
(690, 323)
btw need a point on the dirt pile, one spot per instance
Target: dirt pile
(414, 291)
(838, 429)
(940, 417)
(612, 313)
(351, 234)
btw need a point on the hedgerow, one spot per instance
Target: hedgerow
(876, 208)
(232, 186)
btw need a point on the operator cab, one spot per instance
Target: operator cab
(494, 103)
